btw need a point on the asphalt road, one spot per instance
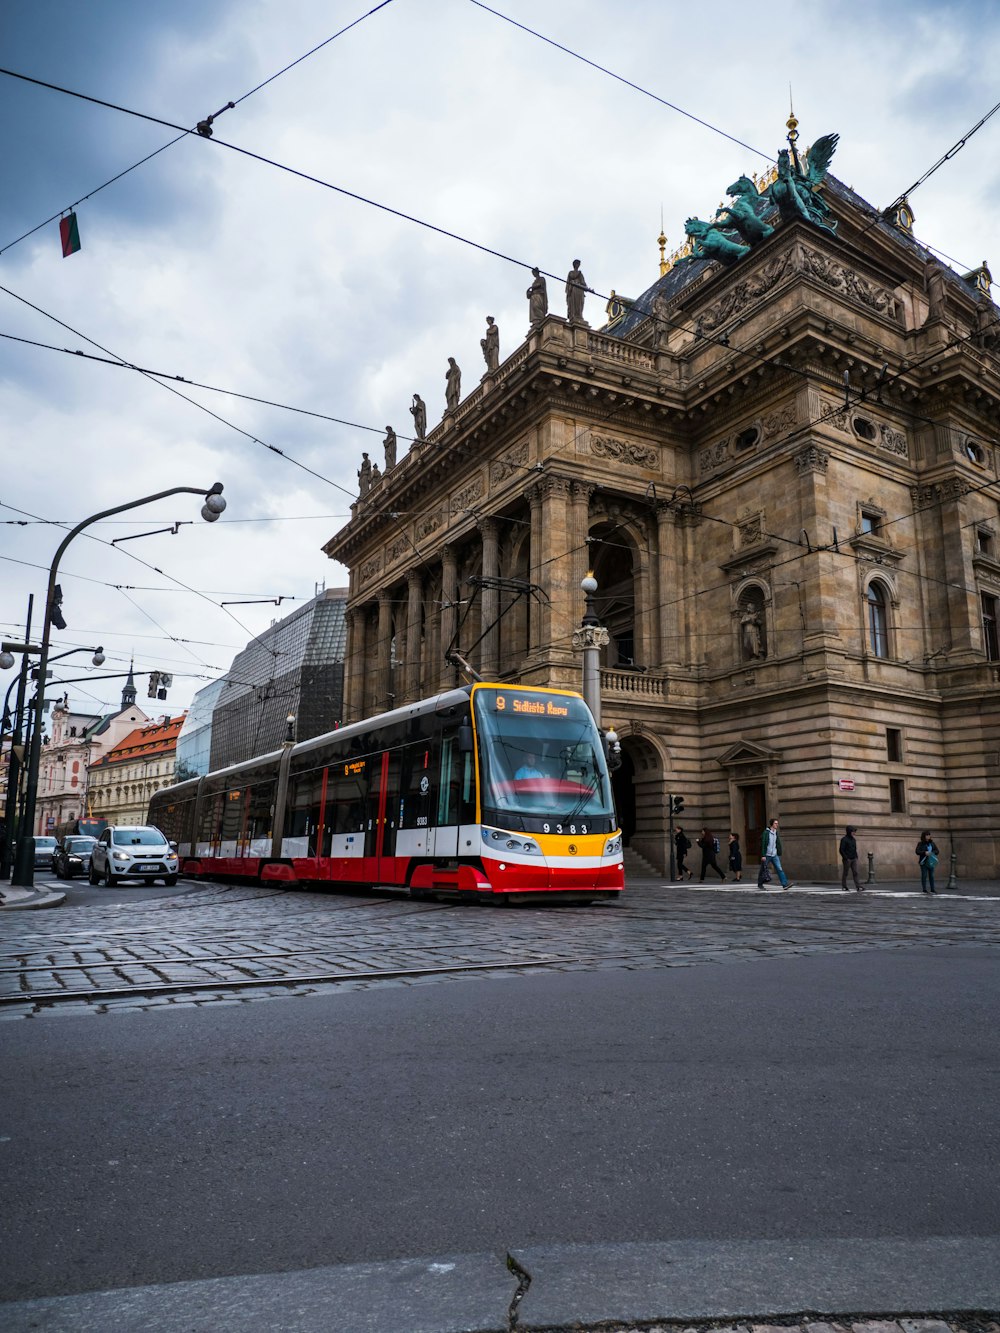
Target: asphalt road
(820, 1096)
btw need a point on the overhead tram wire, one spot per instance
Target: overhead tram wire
(620, 78)
(185, 132)
(720, 340)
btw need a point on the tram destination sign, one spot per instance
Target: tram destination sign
(526, 706)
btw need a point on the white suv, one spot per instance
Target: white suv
(130, 852)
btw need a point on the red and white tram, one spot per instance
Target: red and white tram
(486, 791)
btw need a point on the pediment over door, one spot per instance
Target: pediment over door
(745, 753)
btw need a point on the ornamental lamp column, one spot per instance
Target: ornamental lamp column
(589, 639)
(23, 876)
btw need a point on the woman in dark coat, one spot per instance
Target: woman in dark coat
(682, 844)
(735, 856)
(926, 849)
(707, 844)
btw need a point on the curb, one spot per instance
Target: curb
(29, 900)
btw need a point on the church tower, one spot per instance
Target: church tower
(128, 693)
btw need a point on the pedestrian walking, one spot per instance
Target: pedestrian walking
(682, 845)
(735, 856)
(927, 856)
(770, 851)
(849, 858)
(709, 845)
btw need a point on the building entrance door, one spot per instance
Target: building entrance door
(754, 818)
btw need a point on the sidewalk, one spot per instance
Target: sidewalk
(27, 900)
(988, 889)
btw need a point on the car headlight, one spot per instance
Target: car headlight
(121, 856)
(613, 846)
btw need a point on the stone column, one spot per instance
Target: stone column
(354, 664)
(383, 648)
(554, 567)
(533, 495)
(490, 600)
(449, 596)
(665, 619)
(413, 646)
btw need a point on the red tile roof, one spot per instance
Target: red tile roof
(149, 742)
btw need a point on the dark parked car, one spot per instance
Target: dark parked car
(72, 856)
(44, 847)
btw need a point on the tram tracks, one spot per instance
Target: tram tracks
(49, 997)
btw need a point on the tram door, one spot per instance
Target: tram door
(390, 810)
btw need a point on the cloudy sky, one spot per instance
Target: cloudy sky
(209, 264)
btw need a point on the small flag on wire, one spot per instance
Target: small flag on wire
(69, 234)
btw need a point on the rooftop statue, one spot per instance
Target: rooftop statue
(538, 300)
(741, 215)
(710, 242)
(453, 384)
(491, 345)
(389, 444)
(418, 410)
(364, 475)
(794, 192)
(576, 291)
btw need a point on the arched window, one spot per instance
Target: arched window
(878, 620)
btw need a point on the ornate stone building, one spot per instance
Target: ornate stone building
(124, 779)
(783, 471)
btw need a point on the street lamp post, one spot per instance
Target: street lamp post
(589, 639)
(14, 763)
(24, 867)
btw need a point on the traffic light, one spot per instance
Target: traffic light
(676, 804)
(55, 610)
(154, 684)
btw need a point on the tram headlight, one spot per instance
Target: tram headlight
(613, 846)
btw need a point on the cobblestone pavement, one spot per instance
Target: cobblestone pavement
(238, 944)
(984, 1324)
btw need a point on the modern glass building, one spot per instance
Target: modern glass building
(194, 744)
(296, 667)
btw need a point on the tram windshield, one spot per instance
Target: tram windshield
(541, 754)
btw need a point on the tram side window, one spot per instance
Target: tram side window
(174, 820)
(259, 823)
(418, 785)
(211, 817)
(302, 817)
(232, 815)
(347, 796)
(456, 797)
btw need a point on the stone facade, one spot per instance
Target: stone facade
(786, 484)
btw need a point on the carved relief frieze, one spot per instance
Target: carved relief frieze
(750, 529)
(629, 452)
(812, 459)
(834, 414)
(776, 422)
(894, 441)
(923, 497)
(428, 524)
(745, 293)
(399, 547)
(851, 284)
(713, 456)
(370, 568)
(514, 460)
(467, 495)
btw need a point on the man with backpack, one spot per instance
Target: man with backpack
(709, 845)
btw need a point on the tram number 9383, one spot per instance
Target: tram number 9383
(565, 828)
